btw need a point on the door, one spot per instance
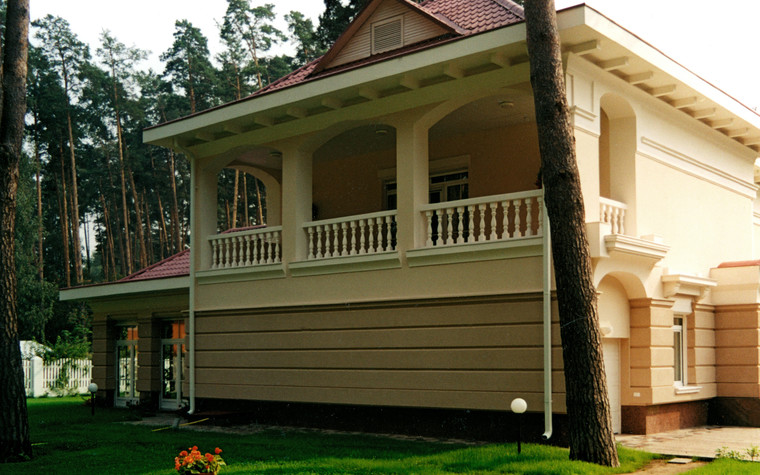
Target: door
(173, 352)
(126, 366)
(611, 349)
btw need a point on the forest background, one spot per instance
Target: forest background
(96, 204)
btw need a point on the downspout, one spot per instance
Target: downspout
(547, 301)
(191, 290)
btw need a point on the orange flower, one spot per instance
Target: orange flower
(195, 447)
(183, 453)
(217, 451)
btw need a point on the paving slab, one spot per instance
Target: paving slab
(702, 442)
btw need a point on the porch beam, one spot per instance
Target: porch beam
(685, 102)
(233, 127)
(721, 123)
(613, 64)
(663, 90)
(704, 113)
(205, 136)
(264, 120)
(588, 47)
(297, 112)
(410, 82)
(749, 141)
(369, 93)
(332, 102)
(501, 60)
(453, 71)
(639, 78)
(741, 132)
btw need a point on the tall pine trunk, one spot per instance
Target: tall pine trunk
(76, 245)
(14, 423)
(64, 207)
(138, 221)
(177, 239)
(588, 410)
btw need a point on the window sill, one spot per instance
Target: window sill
(687, 389)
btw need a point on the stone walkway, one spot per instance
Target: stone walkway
(702, 442)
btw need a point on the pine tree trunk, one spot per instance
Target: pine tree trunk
(138, 221)
(65, 223)
(245, 200)
(259, 211)
(163, 238)
(235, 199)
(590, 424)
(15, 444)
(40, 228)
(176, 234)
(76, 245)
(148, 233)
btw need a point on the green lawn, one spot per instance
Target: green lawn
(67, 439)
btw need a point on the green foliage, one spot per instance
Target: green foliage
(68, 344)
(66, 435)
(335, 19)
(305, 36)
(751, 453)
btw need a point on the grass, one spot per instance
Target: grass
(69, 440)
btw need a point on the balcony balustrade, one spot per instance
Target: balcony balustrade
(246, 248)
(484, 219)
(352, 235)
(613, 213)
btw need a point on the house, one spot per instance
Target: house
(404, 263)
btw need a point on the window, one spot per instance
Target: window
(442, 187)
(126, 365)
(679, 349)
(173, 353)
(387, 35)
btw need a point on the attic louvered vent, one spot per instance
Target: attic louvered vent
(387, 35)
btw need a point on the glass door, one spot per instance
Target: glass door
(126, 366)
(172, 364)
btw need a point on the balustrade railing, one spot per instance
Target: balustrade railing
(484, 219)
(352, 235)
(613, 213)
(246, 248)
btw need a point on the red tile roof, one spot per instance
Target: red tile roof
(470, 16)
(177, 265)
(752, 263)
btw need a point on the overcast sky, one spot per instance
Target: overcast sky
(715, 39)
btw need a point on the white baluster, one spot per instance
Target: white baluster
(255, 246)
(389, 220)
(214, 254)
(277, 247)
(517, 205)
(492, 209)
(471, 224)
(529, 216)
(344, 239)
(429, 217)
(621, 225)
(362, 238)
(482, 222)
(371, 249)
(248, 240)
(227, 257)
(319, 241)
(541, 211)
(460, 225)
(505, 220)
(335, 249)
(352, 238)
(615, 218)
(449, 226)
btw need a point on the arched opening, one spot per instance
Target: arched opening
(614, 323)
(241, 200)
(617, 167)
(484, 152)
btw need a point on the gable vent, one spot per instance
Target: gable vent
(387, 35)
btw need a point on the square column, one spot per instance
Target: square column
(412, 177)
(203, 197)
(296, 202)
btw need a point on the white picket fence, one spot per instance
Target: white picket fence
(56, 378)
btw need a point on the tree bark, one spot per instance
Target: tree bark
(14, 424)
(77, 246)
(176, 234)
(590, 424)
(235, 191)
(142, 255)
(64, 206)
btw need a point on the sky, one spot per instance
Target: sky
(714, 39)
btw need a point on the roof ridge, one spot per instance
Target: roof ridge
(153, 266)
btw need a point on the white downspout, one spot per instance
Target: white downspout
(547, 301)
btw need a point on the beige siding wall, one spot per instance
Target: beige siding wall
(473, 353)
(701, 353)
(416, 28)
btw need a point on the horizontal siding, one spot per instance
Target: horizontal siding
(476, 353)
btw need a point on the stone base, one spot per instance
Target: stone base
(735, 411)
(665, 417)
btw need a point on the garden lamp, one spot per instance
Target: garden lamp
(93, 388)
(519, 406)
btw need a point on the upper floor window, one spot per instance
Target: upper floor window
(679, 348)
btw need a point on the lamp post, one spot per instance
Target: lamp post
(93, 388)
(519, 406)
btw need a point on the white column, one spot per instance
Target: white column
(412, 182)
(203, 216)
(296, 202)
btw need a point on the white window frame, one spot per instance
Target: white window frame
(681, 361)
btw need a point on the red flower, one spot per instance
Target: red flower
(209, 457)
(183, 453)
(217, 451)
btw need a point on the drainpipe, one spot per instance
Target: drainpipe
(547, 301)
(191, 289)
